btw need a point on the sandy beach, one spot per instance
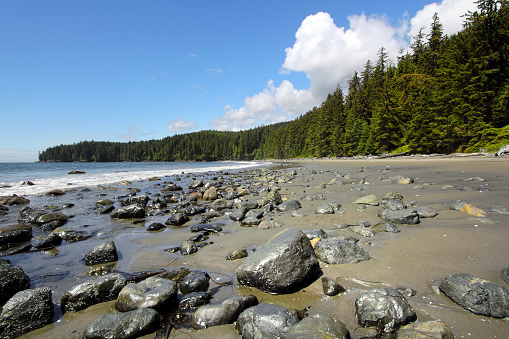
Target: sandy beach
(418, 257)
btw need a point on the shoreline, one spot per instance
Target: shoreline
(418, 257)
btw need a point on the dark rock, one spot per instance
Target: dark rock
(201, 236)
(316, 233)
(426, 212)
(15, 234)
(425, 330)
(55, 192)
(265, 321)
(394, 205)
(223, 313)
(251, 221)
(194, 209)
(103, 253)
(219, 204)
(52, 239)
(257, 214)
(92, 292)
(340, 251)
(156, 226)
(238, 254)
(76, 172)
(153, 292)
(290, 205)
(132, 324)
(13, 200)
(26, 311)
(238, 214)
(12, 280)
(318, 326)
(250, 205)
(504, 274)
(106, 209)
(188, 247)
(477, 295)
(330, 287)
(104, 202)
(405, 217)
(194, 300)
(177, 219)
(28, 215)
(386, 227)
(384, 308)
(194, 282)
(56, 218)
(291, 252)
(212, 228)
(128, 212)
(324, 208)
(140, 200)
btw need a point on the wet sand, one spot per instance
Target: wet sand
(418, 257)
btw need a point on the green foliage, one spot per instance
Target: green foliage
(449, 93)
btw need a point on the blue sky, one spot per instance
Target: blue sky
(136, 70)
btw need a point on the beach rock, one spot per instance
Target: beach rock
(12, 280)
(238, 254)
(477, 295)
(386, 227)
(194, 300)
(426, 212)
(177, 219)
(52, 220)
(223, 313)
(210, 194)
(472, 210)
(106, 209)
(155, 227)
(153, 292)
(324, 208)
(265, 321)
(330, 287)
(104, 202)
(504, 274)
(29, 215)
(55, 192)
(455, 205)
(131, 324)
(499, 209)
(367, 200)
(405, 181)
(188, 247)
(124, 183)
(15, 233)
(13, 200)
(364, 231)
(266, 224)
(504, 150)
(196, 183)
(219, 204)
(93, 291)
(318, 326)
(128, 212)
(272, 197)
(212, 228)
(291, 252)
(76, 172)
(384, 308)
(251, 221)
(238, 214)
(140, 200)
(392, 196)
(26, 311)
(425, 330)
(289, 205)
(195, 281)
(394, 205)
(405, 217)
(257, 214)
(315, 233)
(103, 253)
(339, 251)
(194, 209)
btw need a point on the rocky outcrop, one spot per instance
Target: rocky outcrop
(265, 321)
(223, 313)
(339, 251)
(132, 324)
(101, 254)
(282, 265)
(153, 292)
(12, 280)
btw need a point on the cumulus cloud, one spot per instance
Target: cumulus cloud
(328, 55)
(180, 125)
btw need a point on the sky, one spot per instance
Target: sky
(124, 70)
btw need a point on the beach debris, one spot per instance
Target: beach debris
(499, 209)
(266, 321)
(318, 326)
(101, 254)
(222, 313)
(405, 181)
(131, 324)
(504, 150)
(384, 308)
(339, 251)
(291, 253)
(477, 295)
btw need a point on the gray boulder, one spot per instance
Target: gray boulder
(128, 212)
(405, 217)
(477, 295)
(26, 311)
(282, 265)
(92, 292)
(384, 308)
(153, 292)
(315, 233)
(194, 282)
(318, 326)
(101, 254)
(226, 312)
(324, 208)
(265, 321)
(367, 200)
(340, 251)
(131, 324)
(394, 205)
(12, 280)
(289, 205)
(386, 227)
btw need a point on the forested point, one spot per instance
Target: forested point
(447, 94)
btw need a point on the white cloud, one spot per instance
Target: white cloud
(192, 55)
(180, 125)
(214, 70)
(329, 55)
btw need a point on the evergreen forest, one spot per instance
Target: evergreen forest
(447, 94)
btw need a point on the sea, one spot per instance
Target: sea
(45, 176)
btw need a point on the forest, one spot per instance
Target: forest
(446, 94)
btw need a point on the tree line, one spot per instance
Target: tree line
(446, 94)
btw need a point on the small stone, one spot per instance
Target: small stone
(188, 247)
(472, 210)
(155, 227)
(367, 200)
(324, 208)
(330, 287)
(238, 254)
(405, 181)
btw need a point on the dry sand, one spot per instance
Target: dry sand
(418, 257)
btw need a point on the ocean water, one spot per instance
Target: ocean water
(47, 176)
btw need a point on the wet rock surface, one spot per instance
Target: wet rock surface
(12, 280)
(153, 292)
(265, 321)
(223, 313)
(318, 326)
(103, 253)
(131, 324)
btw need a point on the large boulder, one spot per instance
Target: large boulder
(12, 280)
(132, 324)
(384, 308)
(94, 291)
(101, 254)
(26, 311)
(153, 292)
(265, 321)
(477, 295)
(340, 251)
(140, 200)
(318, 326)
(222, 313)
(128, 212)
(177, 219)
(282, 265)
